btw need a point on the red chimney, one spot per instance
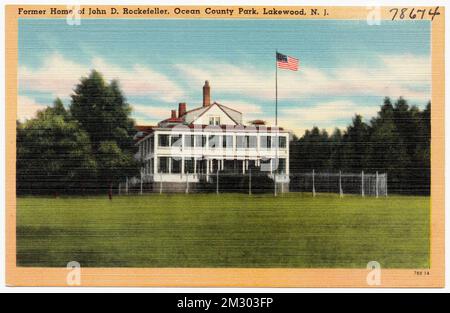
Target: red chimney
(174, 113)
(206, 95)
(182, 109)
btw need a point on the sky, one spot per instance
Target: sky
(346, 67)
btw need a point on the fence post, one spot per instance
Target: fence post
(160, 184)
(376, 185)
(120, 185)
(362, 183)
(250, 182)
(217, 181)
(126, 186)
(341, 191)
(314, 183)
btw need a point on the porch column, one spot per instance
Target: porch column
(182, 166)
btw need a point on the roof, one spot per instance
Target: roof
(226, 127)
(220, 106)
(142, 131)
(144, 128)
(258, 122)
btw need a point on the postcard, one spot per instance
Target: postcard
(215, 146)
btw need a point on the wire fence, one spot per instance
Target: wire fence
(364, 184)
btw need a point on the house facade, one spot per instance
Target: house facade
(194, 146)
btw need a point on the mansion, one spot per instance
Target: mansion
(192, 146)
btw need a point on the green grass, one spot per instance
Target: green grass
(294, 230)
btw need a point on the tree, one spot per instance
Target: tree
(312, 151)
(102, 111)
(356, 145)
(336, 142)
(113, 164)
(397, 141)
(53, 154)
(388, 151)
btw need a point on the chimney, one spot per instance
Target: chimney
(174, 113)
(182, 109)
(206, 95)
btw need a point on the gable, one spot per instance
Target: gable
(203, 116)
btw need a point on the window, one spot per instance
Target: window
(266, 142)
(252, 142)
(214, 120)
(228, 142)
(150, 143)
(214, 141)
(244, 142)
(200, 141)
(176, 166)
(189, 141)
(201, 166)
(241, 142)
(176, 141)
(189, 166)
(282, 142)
(163, 165)
(163, 140)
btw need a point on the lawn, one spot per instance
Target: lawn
(293, 230)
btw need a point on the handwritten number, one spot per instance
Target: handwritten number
(413, 13)
(402, 15)
(434, 13)
(395, 14)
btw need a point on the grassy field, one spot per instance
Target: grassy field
(294, 230)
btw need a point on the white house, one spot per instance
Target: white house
(195, 145)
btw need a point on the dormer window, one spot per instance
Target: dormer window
(214, 120)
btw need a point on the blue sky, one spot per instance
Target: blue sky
(347, 67)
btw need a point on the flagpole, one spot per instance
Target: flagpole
(276, 121)
(276, 87)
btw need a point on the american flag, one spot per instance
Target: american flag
(286, 62)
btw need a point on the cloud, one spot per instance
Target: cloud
(148, 114)
(389, 75)
(27, 108)
(327, 115)
(58, 76)
(141, 81)
(250, 111)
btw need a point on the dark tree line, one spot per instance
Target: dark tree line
(85, 149)
(397, 142)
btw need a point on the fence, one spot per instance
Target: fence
(342, 183)
(364, 184)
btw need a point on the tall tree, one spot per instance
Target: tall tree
(102, 111)
(356, 145)
(387, 149)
